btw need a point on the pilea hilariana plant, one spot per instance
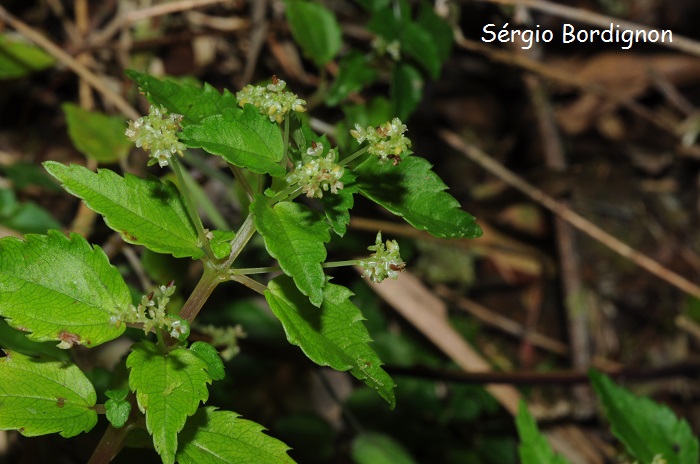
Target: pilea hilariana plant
(300, 190)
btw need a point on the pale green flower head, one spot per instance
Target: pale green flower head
(316, 173)
(271, 100)
(385, 262)
(386, 142)
(157, 134)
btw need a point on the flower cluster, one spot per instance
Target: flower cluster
(271, 100)
(317, 174)
(386, 142)
(157, 133)
(384, 262)
(151, 313)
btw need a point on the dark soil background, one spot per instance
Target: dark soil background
(607, 132)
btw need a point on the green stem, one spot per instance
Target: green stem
(354, 156)
(286, 140)
(250, 283)
(109, 446)
(190, 206)
(206, 285)
(245, 233)
(240, 177)
(265, 270)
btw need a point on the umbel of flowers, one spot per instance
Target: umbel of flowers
(157, 133)
(271, 100)
(317, 173)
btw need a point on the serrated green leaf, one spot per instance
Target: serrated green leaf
(534, 448)
(645, 428)
(60, 288)
(117, 407)
(42, 396)
(332, 335)
(145, 212)
(414, 192)
(337, 207)
(438, 28)
(16, 340)
(18, 59)
(193, 103)
(406, 90)
(354, 74)
(243, 137)
(209, 355)
(294, 235)
(95, 134)
(168, 390)
(377, 448)
(222, 437)
(315, 29)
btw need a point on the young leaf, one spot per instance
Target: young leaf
(337, 207)
(413, 191)
(145, 212)
(406, 90)
(438, 28)
(95, 134)
(332, 335)
(221, 243)
(534, 448)
(377, 448)
(193, 103)
(294, 235)
(41, 396)
(221, 437)
(60, 288)
(315, 29)
(243, 137)
(645, 428)
(354, 74)
(17, 58)
(117, 407)
(168, 390)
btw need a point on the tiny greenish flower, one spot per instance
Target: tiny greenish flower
(271, 100)
(151, 313)
(157, 133)
(382, 47)
(384, 262)
(386, 142)
(317, 174)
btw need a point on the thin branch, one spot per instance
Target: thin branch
(679, 42)
(70, 62)
(579, 222)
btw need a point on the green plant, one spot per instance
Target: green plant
(63, 289)
(650, 432)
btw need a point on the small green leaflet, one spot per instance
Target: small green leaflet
(145, 212)
(315, 29)
(377, 448)
(354, 74)
(18, 58)
(117, 407)
(294, 235)
(337, 207)
(42, 396)
(60, 288)
(96, 135)
(193, 103)
(406, 90)
(168, 390)
(332, 335)
(645, 427)
(534, 448)
(243, 137)
(221, 437)
(413, 191)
